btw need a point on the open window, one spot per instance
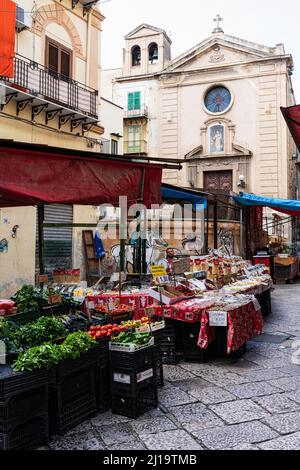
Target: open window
(153, 53)
(136, 56)
(58, 60)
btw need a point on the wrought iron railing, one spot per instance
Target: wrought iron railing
(137, 146)
(135, 113)
(33, 78)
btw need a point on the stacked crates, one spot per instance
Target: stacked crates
(23, 409)
(72, 393)
(133, 381)
(191, 350)
(102, 377)
(171, 342)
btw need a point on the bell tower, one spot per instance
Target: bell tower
(147, 50)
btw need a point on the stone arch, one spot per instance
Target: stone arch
(49, 14)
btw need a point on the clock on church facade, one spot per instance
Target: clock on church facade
(217, 99)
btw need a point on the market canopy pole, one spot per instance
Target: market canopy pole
(41, 241)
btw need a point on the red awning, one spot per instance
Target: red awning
(292, 117)
(31, 175)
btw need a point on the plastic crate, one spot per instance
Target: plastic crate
(61, 309)
(103, 352)
(170, 356)
(134, 406)
(21, 408)
(132, 382)
(22, 319)
(132, 361)
(75, 385)
(27, 436)
(69, 366)
(159, 367)
(63, 419)
(14, 383)
(103, 388)
(129, 347)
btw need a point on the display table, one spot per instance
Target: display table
(285, 269)
(139, 301)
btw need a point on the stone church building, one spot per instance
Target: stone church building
(217, 106)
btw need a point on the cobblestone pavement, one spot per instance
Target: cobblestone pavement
(250, 403)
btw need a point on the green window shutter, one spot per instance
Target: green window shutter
(137, 100)
(130, 101)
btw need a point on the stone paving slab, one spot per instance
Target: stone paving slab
(220, 377)
(262, 375)
(212, 395)
(295, 396)
(195, 416)
(290, 442)
(77, 441)
(173, 396)
(287, 384)
(228, 437)
(284, 424)
(239, 411)
(255, 389)
(134, 444)
(191, 385)
(115, 434)
(277, 403)
(171, 440)
(172, 373)
(159, 424)
(245, 447)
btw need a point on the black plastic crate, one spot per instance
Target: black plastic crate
(14, 383)
(159, 366)
(65, 418)
(61, 309)
(69, 366)
(134, 407)
(75, 385)
(27, 436)
(103, 352)
(21, 408)
(103, 388)
(132, 382)
(132, 361)
(170, 355)
(191, 350)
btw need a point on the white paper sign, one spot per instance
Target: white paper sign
(122, 378)
(217, 318)
(147, 374)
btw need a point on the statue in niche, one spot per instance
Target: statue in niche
(217, 139)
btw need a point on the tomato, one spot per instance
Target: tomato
(98, 335)
(123, 328)
(109, 332)
(92, 328)
(103, 334)
(108, 326)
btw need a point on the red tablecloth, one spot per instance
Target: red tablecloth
(138, 301)
(242, 324)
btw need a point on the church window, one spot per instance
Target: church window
(218, 99)
(153, 53)
(136, 55)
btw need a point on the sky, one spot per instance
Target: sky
(188, 22)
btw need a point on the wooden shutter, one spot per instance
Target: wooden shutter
(137, 100)
(130, 101)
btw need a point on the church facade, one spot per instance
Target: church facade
(216, 106)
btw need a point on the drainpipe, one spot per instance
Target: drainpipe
(88, 48)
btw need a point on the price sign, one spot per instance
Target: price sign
(217, 318)
(159, 274)
(54, 299)
(43, 279)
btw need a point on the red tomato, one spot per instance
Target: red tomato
(103, 334)
(109, 332)
(98, 335)
(92, 328)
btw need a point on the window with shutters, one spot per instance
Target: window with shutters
(58, 59)
(134, 101)
(114, 147)
(134, 139)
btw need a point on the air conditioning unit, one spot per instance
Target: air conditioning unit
(23, 19)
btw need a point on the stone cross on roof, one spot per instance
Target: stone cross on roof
(218, 20)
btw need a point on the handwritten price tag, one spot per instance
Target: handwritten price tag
(54, 299)
(217, 318)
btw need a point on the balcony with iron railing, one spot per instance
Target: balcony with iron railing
(136, 147)
(35, 80)
(142, 112)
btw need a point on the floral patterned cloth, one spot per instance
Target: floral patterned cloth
(110, 299)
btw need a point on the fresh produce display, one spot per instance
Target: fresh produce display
(45, 329)
(8, 335)
(29, 299)
(135, 323)
(101, 308)
(106, 331)
(48, 355)
(122, 308)
(138, 339)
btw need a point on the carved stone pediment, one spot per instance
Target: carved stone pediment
(236, 151)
